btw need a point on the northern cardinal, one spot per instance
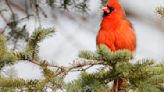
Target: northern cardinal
(116, 32)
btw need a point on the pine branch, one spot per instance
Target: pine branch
(87, 83)
(3, 45)
(21, 83)
(141, 75)
(102, 76)
(136, 75)
(156, 79)
(104, 54)
(5, 56)
(147, 88)
(8, 82)
(79, 65)
(39, 35)
(88, 55)
(22, 56)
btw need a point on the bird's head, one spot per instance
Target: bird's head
(111, 7)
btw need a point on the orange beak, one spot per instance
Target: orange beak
(106, 9)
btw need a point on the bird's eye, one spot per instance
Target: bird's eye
(110, 8)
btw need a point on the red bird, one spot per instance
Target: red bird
(116, 32)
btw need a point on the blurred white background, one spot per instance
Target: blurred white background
(75, 33)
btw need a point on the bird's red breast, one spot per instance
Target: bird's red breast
(116, 32)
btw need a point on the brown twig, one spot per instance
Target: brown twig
(74, 67)
(88, 64)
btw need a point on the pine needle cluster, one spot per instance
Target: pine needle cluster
(143, 76)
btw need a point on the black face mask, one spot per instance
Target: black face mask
(111, 9)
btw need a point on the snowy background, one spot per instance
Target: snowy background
(75, 33)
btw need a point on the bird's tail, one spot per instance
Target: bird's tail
(117, 85)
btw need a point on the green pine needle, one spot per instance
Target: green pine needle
(8, 82)
(104, 54)
(37, 36)
(3, 45)
(88, 55)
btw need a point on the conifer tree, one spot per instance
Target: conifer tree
(143, 76)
